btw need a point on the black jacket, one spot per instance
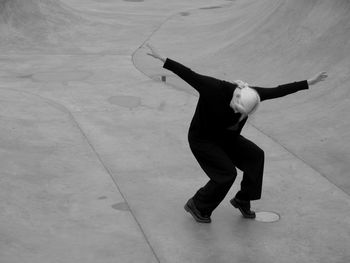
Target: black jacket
(214, 118)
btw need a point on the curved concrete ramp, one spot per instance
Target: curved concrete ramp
(95, 165)
(58, 202)
(35, 25)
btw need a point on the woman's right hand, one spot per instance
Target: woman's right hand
(154, 53)
(321, 76)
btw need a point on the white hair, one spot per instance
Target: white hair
(249, 99)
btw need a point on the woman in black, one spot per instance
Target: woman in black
(215, 139)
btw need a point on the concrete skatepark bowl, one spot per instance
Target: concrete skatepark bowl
(95, 166)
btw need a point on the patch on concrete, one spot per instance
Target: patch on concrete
(133, 0)
(210, 7)
(102, 197)
(125, 101)
(162, 106)
(185, 13)
(121, 206)
(60, 76)
(26, 76)
(267, 217)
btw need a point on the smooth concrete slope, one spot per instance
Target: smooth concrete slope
(271, 42)
(95, 165)
(58, 64)
(58, 201)
(264, 43)
(36, 26)
(81, 27)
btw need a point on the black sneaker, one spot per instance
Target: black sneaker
(244, 207)
(197, 215)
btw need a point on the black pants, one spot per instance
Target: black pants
(219, 161)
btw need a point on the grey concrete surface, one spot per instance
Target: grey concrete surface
(95, 165)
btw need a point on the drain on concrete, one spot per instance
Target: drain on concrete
(125, 101)
(267, 217)
(121, 206)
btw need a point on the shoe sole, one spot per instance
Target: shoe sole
(235, 205)
(199, 220)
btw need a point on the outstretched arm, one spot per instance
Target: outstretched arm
(286, 89)
(201, 83)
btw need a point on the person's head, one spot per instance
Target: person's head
(245, 100)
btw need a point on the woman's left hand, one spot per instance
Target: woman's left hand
(317, 78)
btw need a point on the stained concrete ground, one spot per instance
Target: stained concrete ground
(95, 165)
